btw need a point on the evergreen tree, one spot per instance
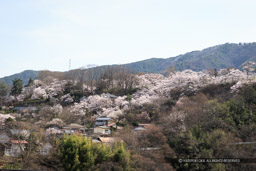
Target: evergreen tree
(79, 153)
(3, 89)
(30, 82)
(215, 72)
(121, 156)
(17, 85)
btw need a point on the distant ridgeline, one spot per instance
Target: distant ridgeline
(220, 56)
(24, 76)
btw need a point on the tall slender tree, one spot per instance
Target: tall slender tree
(30, 82)
(3, 89)
(215, 72)
(17, 85)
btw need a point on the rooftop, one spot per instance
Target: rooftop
(19, 142)
(104, 127)
(110, 95)
(139, 129)
(110, 139)
(74, 125)
(144, 125)
(83, 98)
(112, 124)
(28, 107)
(104, 119)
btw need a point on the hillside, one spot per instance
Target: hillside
(183, 115)
(220, 56)
(24, 76)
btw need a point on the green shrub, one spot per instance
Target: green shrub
(79, 153)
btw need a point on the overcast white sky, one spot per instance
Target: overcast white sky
(45, 34)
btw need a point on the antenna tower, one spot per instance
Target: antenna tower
(69, 66)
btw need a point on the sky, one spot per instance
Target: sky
(45, 34)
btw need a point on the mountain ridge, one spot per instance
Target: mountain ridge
(24, 76)
(219, 56)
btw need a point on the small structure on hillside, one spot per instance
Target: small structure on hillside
(83, 98)
(108, 95)
(53, 131)
(104, 121)
(15, 147)
(96, 141)
(141, 127)
(102, 130)
(110, 140)
(104, 125)
(138, 129)
(73, 128)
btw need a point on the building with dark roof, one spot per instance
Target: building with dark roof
(103, 121)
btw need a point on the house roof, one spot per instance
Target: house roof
(103, 127)
(95, 141)
(144, 125)
(111, 95)
(104, 119)
(74, 125)
(19, 142)
(110, 139)
(83, 98)
(111, 124)
(119, 127)
(139, 129)
(18, 108)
